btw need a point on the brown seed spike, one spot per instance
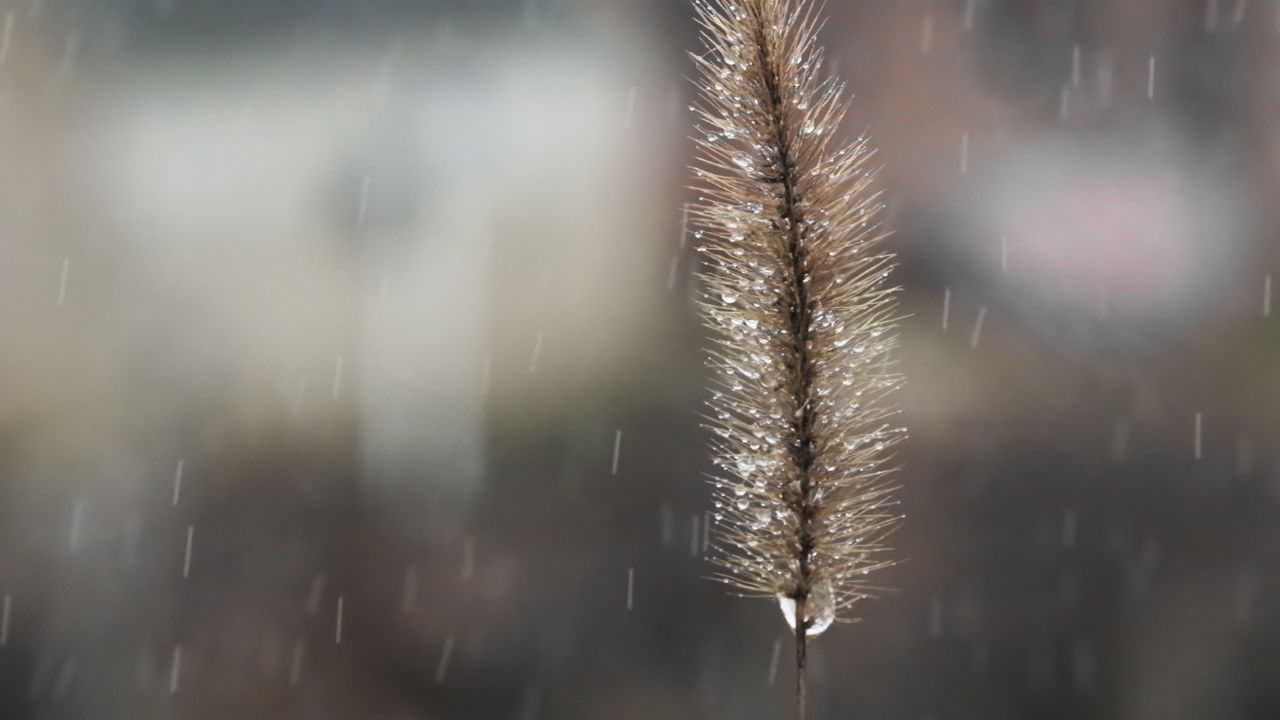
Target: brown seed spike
(803, 322)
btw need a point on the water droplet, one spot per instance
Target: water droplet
(820, 608)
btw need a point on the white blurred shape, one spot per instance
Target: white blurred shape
(1138, 226)
(346, 210)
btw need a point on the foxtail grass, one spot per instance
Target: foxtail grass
(803, 320)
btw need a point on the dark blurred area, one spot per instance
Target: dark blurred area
(349, 365)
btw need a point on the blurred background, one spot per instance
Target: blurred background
(349, 366)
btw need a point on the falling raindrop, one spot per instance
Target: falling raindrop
(977, 328)
(175, 669)
(537, 351)
(446, 655)
(63, 682)
(77, 518)
(617, 448)
(337, 623)
(6, 607)
(694, 536)
(362, 210)
(186, 557)
(62, 284)
(295, 663)
(1237, 16)
(684, 226)
(5, 36)
(177, 482)
(313, 598)
(773, 661)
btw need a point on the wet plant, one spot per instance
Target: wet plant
(802, 317)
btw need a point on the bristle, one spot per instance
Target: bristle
(803, 321)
